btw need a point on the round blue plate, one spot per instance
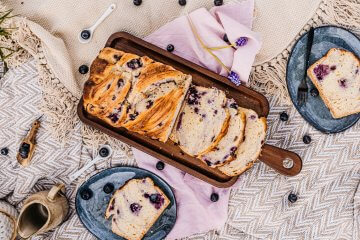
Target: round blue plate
(314, 110)
(91, 212)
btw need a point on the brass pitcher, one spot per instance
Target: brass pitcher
(42, 212)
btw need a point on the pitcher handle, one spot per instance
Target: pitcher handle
(55, 190)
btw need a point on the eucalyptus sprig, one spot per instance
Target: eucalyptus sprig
(6, 52)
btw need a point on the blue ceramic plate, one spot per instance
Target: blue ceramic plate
(314, 111)
(92, 211)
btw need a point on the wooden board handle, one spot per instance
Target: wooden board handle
(274, 157)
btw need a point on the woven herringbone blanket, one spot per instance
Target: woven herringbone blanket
(328, 205)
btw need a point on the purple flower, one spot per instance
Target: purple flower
(242, 41)
(234, 78)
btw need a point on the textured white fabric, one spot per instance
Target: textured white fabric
(66, 18)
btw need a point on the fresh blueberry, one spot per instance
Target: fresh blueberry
(170, 48)
(284, 116)
(225, 38)
(85, 34)
(160, 165)
(24, 150)
(314, 92)
(218, 2)
(307, 139)
(86, 194)
(104, 152)
(137, 2)
(292, 197)
(214, 197)
(108, 188)
(83, 69)
(4, 151)
(182, 2)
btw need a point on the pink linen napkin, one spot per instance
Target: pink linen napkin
(196, 212)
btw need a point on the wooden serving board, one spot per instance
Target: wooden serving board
(169, 152)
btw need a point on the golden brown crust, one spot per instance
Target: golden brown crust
(313, 78)
(115, 75)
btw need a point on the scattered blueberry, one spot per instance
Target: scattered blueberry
(137, 2)
(218, 2)
(104, 152)
(108, 188)
(170, 48)
(160, 165)
(133, 116)
(86, 194)
(314, 92)
(24, 150)
(214, 197)
(135, 207)
(225, 38)
(4, 151)
(182, 2)
(85, 34)
(232, 151)
(284, 116)
(83, 69)
(194, 96)
(333, 68)
(253, 117)
(120, 83)
(307, 139)
(292, 197)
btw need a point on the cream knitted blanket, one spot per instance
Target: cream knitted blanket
(58, 55)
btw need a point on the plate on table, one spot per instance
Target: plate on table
(92, 211)
(314, 111)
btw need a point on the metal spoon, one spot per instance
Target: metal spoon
(100, 156)
(87, 33)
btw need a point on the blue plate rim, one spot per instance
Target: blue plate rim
(287, 80)
(128, 167)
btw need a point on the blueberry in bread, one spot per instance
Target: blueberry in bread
(227, 147)
(337, 77)
(250, 149)
(203, 121)
(135, 207)
(134, 92)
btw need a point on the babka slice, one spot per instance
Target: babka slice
(135, 207)
(203, 121)
(337, 77)
(250, 149)
(227, 147)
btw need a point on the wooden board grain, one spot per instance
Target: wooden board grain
(169, 152)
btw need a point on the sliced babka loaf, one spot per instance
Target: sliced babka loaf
(135, 207)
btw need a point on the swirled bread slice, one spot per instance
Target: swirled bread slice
(155, 100)
(250, 149)
(337, 77)
(203, 121)
(227, 147)
(135, 207)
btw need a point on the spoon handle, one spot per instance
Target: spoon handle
(78, 173)
(103, 17)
